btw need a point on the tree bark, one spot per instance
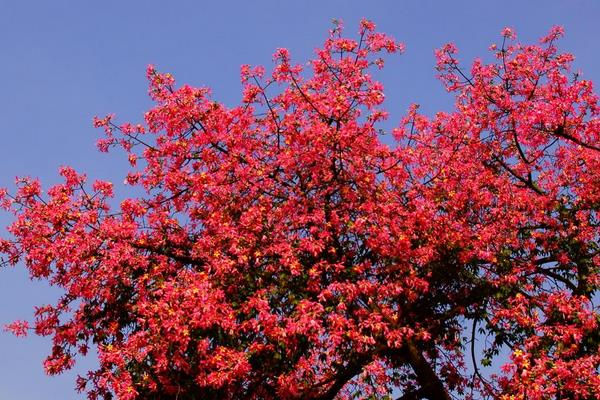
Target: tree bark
(431, 386)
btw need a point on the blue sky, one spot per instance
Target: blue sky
(62, 62)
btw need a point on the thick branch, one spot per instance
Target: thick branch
(560, 132)
(346, 374)
(431, 385)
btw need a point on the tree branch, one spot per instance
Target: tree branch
(431, 385)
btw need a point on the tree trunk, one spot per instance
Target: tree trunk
(431, 386)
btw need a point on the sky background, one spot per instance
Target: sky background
(62, 62)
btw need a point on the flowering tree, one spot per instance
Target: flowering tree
(282, 250)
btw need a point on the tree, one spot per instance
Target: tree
(281, 249)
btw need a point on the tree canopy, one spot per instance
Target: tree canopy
(289, 247)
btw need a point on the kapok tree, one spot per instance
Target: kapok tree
(282, 250)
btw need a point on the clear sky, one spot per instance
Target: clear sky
(62, 62)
